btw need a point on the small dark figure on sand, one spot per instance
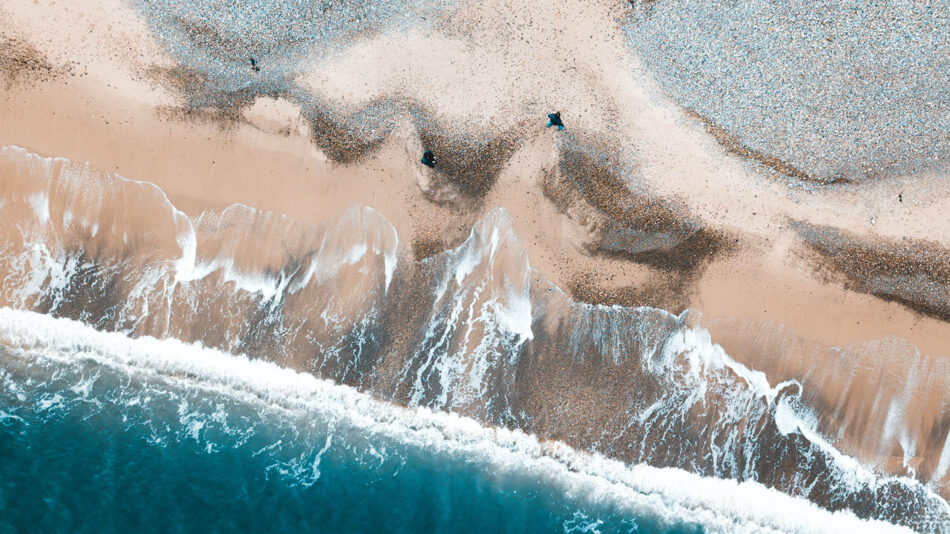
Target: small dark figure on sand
(554, 119)
(900, 197)
(254, 65)
(428, 159)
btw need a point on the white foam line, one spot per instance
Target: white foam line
(665, 494)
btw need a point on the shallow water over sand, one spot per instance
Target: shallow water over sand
(472, 331)
(158, 435)
(718, 300)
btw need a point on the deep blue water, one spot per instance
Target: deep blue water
(87, 449)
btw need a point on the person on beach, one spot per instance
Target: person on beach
(554, 119)
(254, 65)
(428, 159)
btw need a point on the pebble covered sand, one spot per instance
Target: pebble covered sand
(780, 165)
(839, 89)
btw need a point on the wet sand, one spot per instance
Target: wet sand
(244, 163)
(715, 227)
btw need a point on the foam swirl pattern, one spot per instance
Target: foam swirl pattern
(473, 331)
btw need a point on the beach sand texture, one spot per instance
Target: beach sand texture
(814, 250)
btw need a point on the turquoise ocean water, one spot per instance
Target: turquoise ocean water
(103, 433)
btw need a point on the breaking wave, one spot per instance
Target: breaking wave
(174, 394)
(473, 331)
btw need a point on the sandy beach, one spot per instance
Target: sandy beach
(636, 203)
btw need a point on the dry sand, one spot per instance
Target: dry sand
(98, 103)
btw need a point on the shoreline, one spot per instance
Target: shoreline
(284, 173)
(721, 503)
(762, 269)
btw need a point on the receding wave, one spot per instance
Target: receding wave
(473, 331)
(52, 368)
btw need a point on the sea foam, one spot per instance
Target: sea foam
(669, 495)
